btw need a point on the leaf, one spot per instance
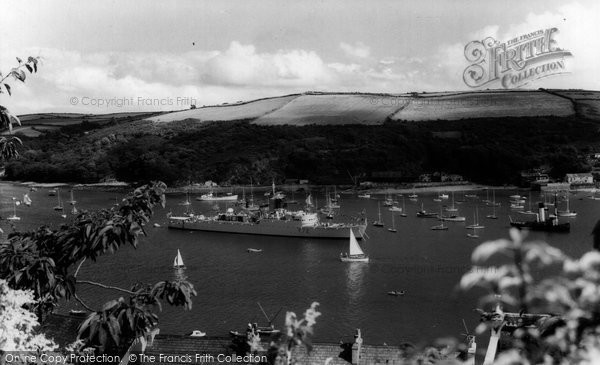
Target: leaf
(543, 253)
(29, 68)
(7, 86)
(490, 248)
(109, 305)
(19, 60)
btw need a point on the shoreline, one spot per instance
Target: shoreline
(342, 189)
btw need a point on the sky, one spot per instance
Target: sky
(122, 56)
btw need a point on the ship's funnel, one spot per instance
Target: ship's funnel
(542, 212)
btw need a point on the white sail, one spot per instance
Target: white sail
(309, 202)
(178, 262)
(354, 246)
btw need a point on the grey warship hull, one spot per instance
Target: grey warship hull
(272, 227)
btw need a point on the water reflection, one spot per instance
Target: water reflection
(355, 273)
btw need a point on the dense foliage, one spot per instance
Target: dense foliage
(46, 261)
(483, 150)
(571, 297)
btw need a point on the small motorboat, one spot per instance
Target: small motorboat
(396, 292)
(78, 313)
(254, 250)
(197, 333)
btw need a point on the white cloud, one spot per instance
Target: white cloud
(358, 49)
(242, 71)
(242, 65)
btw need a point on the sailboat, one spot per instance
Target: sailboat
(388, 200)
(529, 211)
(594, 196)
(403, 214)
(440, 227)
(452, 208)
(487, 196)
(425, 214)
(60, 205)
(178, 262)
(475, 224)
(27, 200)
(14, 217)
(186, 202)
(393, 229)
(493, 215)
(567, 213)
(474, 234)
(74, 210)
(356, 253)
(378, 222)
(72, 201)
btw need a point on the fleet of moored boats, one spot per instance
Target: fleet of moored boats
(276, 219)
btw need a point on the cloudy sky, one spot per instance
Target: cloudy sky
(224, 51)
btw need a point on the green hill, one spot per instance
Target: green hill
(487, 136)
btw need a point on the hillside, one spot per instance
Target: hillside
(34, 125)
(375, 109)
(487, 137)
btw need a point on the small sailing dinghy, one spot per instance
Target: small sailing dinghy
(356, 253)
(72, 201)
(378, 222)
(393, 229)
(60, 205)
(440, 227)
(474, 234)
(14, 217)
(494, 205)
(403, 214)
(475, 224)
(27, 200)
(567, 212)
(178, 262)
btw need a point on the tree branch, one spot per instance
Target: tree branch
(107, 286)
(83, 304)
(79, 267)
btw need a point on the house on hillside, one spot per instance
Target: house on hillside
(580, 179)
(529, 178)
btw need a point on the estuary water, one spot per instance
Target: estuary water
(291, 273)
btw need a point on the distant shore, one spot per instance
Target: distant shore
(381, 189)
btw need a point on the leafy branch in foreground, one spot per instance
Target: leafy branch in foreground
(18, 73)
(8, 145)
(571, 297)
(46, 261)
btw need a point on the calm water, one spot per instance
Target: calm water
(292, 273)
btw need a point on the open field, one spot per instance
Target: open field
(587, 103)
(335, 109)
(251, 110)
(485, 104)
(374, 109)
